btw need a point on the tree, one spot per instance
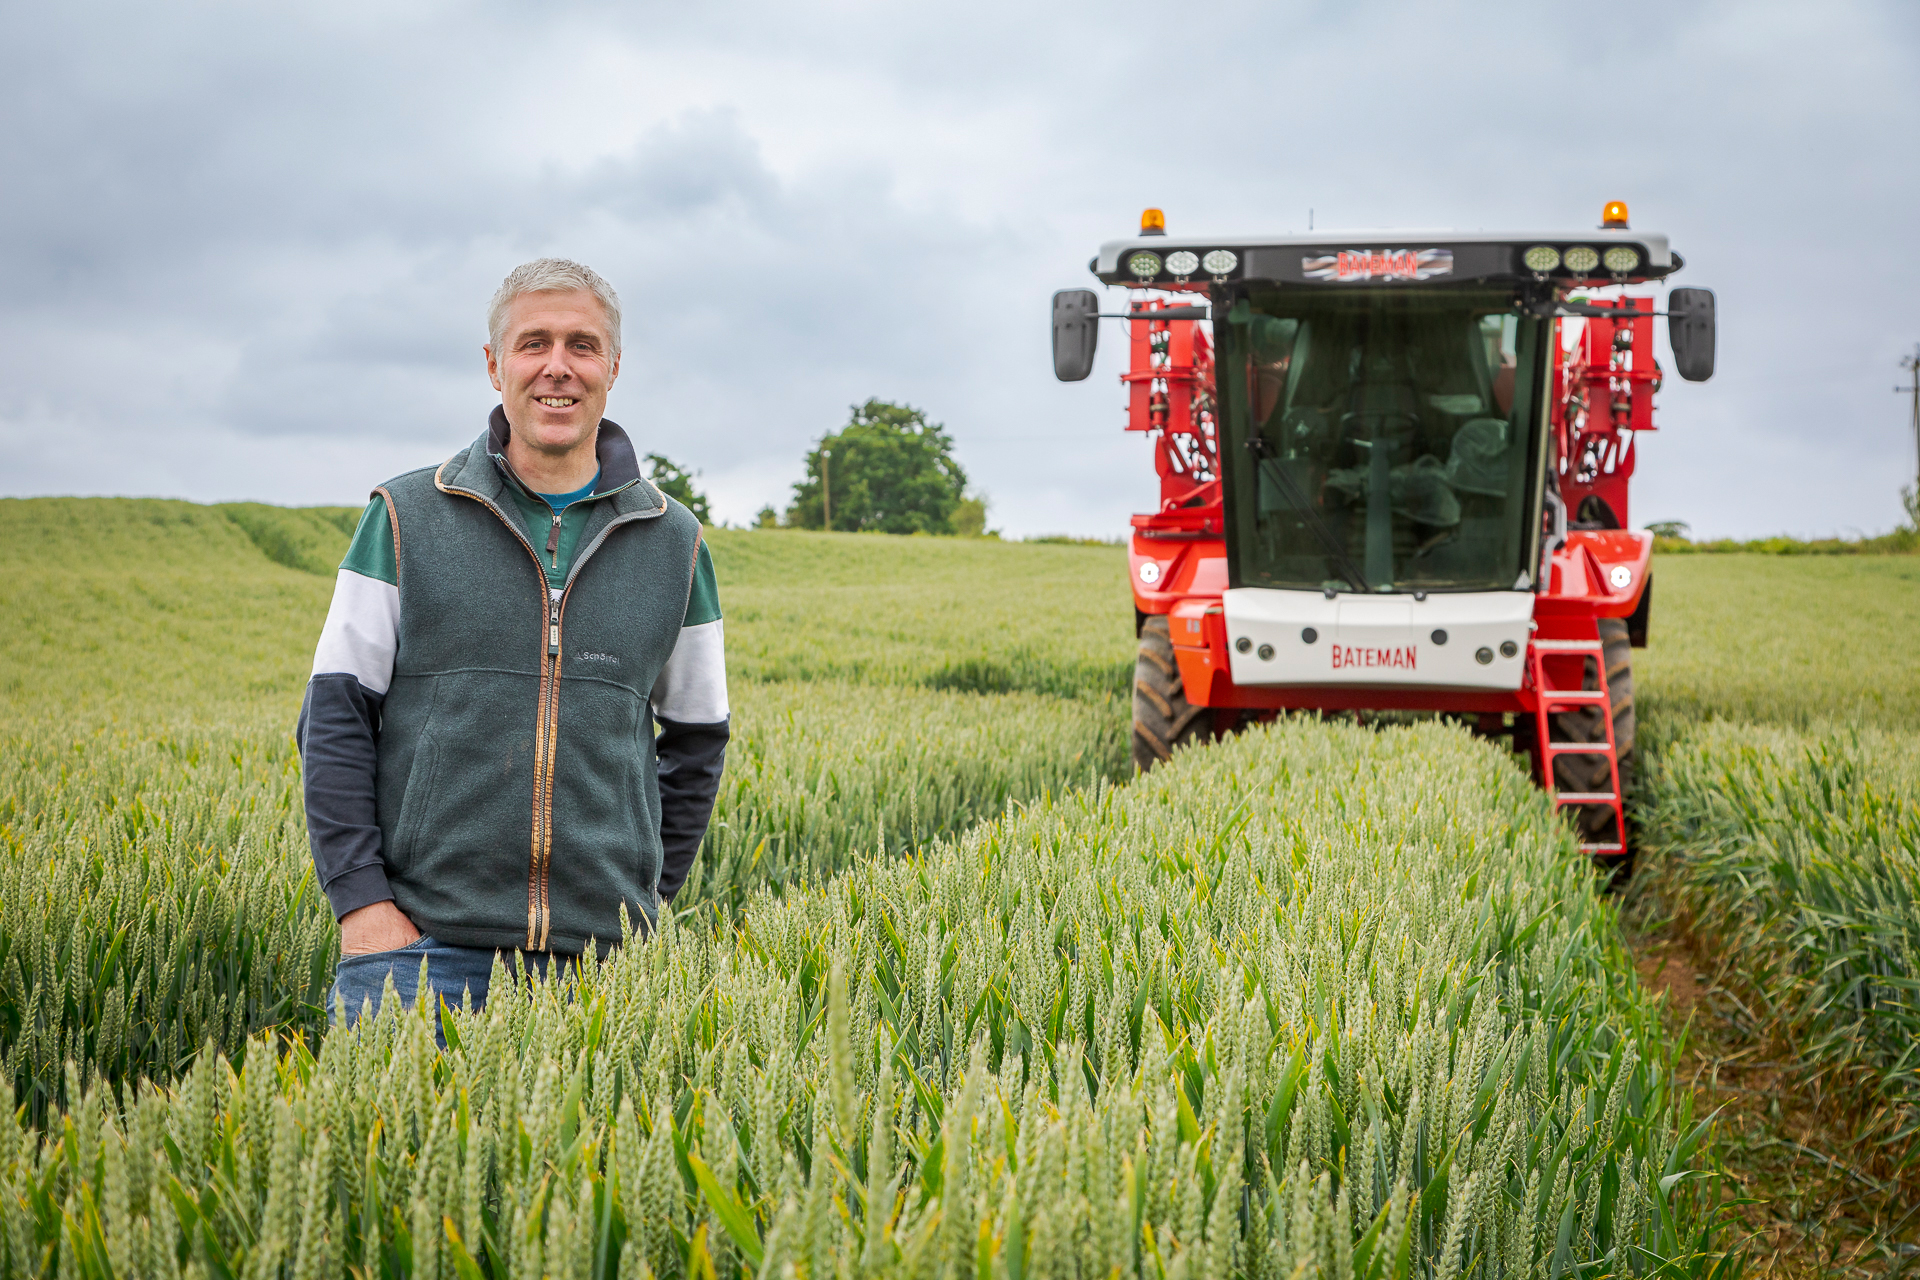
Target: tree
(674, 480)
(970, 518)
(766, 518)
(890, 471)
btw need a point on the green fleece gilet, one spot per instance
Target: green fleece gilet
(517, 793)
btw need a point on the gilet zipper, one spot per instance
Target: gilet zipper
(546, 728)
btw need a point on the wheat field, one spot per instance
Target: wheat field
(949, 993)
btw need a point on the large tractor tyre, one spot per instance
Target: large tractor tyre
(1589, 773)
(1162, 717)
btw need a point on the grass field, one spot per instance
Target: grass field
(975, 615)
(148, 611)
(1782, 801)
(919, 807)
(1799, 853)
(1320, 1001)
(157, 888)
(1780, 872)
(1783, 640)
(143, 607)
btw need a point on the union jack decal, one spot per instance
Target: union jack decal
(1350, 265)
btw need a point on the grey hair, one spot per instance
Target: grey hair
(549, 275)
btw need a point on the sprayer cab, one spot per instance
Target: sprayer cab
(1393, 465)
(1389, 401)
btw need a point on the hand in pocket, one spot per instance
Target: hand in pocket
(379, 926)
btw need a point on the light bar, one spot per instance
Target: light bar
(1542, 257)
(1620, 259)
(1581, 259)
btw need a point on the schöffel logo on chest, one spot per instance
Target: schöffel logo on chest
(588, 655)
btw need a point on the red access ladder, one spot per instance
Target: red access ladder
(1568, 659)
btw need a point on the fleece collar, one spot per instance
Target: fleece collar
(619, 467)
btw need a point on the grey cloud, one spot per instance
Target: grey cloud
(700, 163)
(719, 264)
(280, 227)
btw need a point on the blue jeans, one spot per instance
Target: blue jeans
(451, 973)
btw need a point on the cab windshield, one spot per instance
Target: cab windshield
(1389, 434)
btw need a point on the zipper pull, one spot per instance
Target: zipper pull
(553, 628)
(553, 541)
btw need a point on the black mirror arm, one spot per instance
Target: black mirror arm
(1167, 313)
(1589, 312)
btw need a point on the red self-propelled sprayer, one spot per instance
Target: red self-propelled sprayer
(1394, 475)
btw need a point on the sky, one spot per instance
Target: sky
(246, 250)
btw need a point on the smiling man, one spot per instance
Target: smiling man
(517, 717)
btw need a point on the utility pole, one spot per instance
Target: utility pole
(826, 485)
(1912, 365)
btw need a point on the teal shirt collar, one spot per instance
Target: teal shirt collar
(561, 501)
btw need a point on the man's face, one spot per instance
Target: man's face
(555, 368)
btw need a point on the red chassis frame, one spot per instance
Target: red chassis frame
(1601, 399)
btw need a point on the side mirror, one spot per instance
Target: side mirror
(1690, 330)
(1076, 332)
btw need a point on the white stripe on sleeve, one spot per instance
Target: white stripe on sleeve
(692, 688)
(362, 631)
